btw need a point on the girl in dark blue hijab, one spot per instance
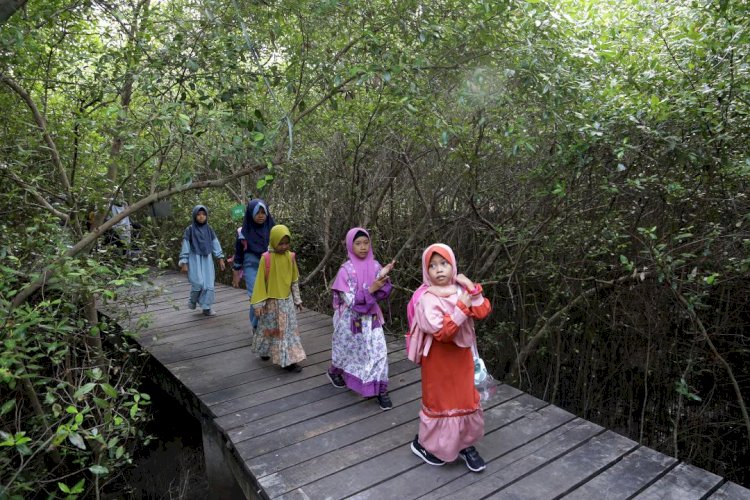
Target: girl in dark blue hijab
(199, 242)
(252, 241)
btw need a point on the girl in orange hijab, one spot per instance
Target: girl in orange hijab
(451, 419)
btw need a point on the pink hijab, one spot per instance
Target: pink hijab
(432, 302)
(365, 270)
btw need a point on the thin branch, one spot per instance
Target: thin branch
(42, 124)
(92, 236)
(38, 197)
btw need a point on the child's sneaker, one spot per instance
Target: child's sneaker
(385, 402)
(474, 462)
(209, 312)
(191, 304)
(294, 368)
(265, 358)
(336, 379)
(425, 455)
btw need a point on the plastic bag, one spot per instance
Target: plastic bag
(484, 382)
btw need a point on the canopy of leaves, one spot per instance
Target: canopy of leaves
(587, 160)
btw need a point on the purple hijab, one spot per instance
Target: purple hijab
(366, 269)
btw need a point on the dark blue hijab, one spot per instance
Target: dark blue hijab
(256, 235)
(200, 236)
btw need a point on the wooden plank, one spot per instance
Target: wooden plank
(181, 355)
(566, 472)
(236, 387)
(349, 446)
(518, 428)
(312, 410)
(233, 414)
(520, 462)
(731, 491)
(370, 468)
(222, 364)
(626, 477)
(261, 445)
(261, 374)
(684, 482)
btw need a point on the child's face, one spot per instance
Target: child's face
(361, 246)
(440, 270)
(201, 217)
(284, 245)
(260, 217)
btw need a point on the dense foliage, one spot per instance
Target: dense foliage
(588, 161)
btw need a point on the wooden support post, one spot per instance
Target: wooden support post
(221, 481)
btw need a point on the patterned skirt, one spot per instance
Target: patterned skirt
(277, 334)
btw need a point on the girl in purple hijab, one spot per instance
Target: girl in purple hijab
(359, 358)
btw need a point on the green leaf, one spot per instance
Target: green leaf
(78, 488)
(109, 390)
(84, 389)
(63, 487)
(99, 470)
(76, 440)
(7, 406)
(444, 136)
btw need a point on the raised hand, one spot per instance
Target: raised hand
(465, 282)
(388, 268)
(378, 284)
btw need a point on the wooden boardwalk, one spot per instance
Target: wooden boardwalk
(295, 436)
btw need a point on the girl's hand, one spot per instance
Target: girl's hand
(378, 284)
(222, 266)
(465, 298)
(184, 269)
(388, 268)
(299, 307)
(465, 282)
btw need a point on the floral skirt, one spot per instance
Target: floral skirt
(277, 334)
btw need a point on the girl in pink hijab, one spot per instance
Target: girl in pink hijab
(359, 357)
(451, 419)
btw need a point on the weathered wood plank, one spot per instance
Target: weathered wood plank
(233, 415)
(521, 461)
(523, 419)
(339, 453)
(573, 468)
(361, 410)
(372, 468)
(626, 477)
(731, 491)
(684, 482)
(238, 386)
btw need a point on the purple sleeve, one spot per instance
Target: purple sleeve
(367, 303)
(364, 302)
(384, 292)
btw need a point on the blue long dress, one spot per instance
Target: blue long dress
(201, 273)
